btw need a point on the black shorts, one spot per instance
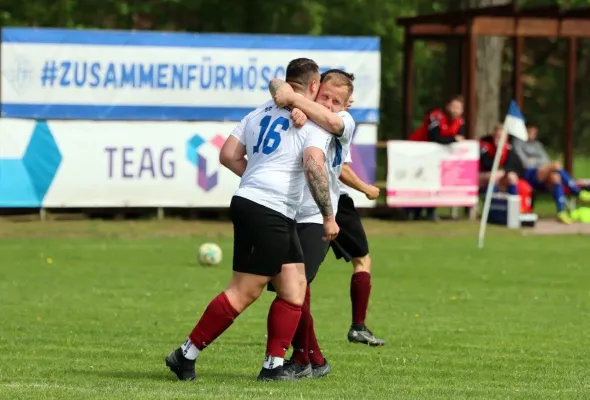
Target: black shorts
(314, 249)
(264, 240)
(351, 242)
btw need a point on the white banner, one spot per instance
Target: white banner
(422, 174)
(123, 75)
(78, 164)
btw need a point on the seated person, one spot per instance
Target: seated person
(443, 125)
(506, 178)
(542, 173)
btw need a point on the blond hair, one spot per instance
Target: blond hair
(338, 78)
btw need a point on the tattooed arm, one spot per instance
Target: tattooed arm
(286, 92)
(317, 179)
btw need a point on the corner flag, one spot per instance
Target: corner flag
(514, 122)
(515, 125)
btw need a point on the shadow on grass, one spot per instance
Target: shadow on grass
(165, 376)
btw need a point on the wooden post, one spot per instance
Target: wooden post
(471, 64)
(408, 85)
(570, 104)
(517, 50)
(464, 67)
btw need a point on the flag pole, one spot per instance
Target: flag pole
(489, 192)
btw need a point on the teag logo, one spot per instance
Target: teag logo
(204, 155)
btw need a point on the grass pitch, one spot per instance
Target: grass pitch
(89, 310)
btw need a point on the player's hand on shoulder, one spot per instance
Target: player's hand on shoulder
(372, 192)
(282, 93)
(298, 117)
(331, 228)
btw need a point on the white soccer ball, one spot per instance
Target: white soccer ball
(210, 254)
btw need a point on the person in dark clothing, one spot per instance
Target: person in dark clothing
(442, 126)
(506, 178)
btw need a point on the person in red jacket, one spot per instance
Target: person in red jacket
(506, 178)
(442, 126)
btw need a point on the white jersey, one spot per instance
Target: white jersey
(274, 176)
(337, 153)
(344, 188)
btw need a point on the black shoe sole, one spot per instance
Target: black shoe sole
(266, 379)
(367, 343)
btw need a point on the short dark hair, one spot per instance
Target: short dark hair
(456, 97)
(530, 125)
(301, 71)
(336, 71)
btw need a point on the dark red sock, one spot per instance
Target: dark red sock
(218, 316)
(360, 290)
(315, 354)
(283, 318)
(301, 338)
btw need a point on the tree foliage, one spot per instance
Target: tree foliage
(544, 60)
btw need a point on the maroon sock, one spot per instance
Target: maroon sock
(218, 316)
(360, 290)
(301, 338)
(283, 318)
(315, 354)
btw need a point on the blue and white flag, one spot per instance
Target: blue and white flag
(514, 122)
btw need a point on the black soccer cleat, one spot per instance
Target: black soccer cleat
(277, 374)
(362, 334)
(181, 366)
(319, 371)
(291, 367)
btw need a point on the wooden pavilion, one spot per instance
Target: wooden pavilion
(508, 21)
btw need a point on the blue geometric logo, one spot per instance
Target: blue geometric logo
(207, 177)
(24, 182)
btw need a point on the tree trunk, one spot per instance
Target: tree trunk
(488, 75)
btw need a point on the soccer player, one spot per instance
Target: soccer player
(333, 96)
(542, 173)
(266, 248)
(354, 246)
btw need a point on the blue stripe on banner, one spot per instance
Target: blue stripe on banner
(169, 39)
(147, 113)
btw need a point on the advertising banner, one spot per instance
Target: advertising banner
(79, 164)
(124, 75)
(422, 174)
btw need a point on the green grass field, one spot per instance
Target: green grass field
(89, 310)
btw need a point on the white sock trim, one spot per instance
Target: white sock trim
(189, 351)
(271, 362)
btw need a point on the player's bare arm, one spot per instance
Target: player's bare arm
(317, 180)
(282, 93)
(233, 156)
(284, 96)
(348, 177)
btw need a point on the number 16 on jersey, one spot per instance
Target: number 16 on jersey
(270, 137)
